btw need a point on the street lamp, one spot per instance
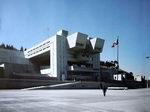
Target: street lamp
(147, 57)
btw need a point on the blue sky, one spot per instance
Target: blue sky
(26, 22)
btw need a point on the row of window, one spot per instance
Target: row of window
(39, 48)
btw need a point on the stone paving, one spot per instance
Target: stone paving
(75, 101)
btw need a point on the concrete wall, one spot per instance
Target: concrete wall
(15, 62)
(12, 69)
(1, 72)
(24, 83)
(61, 57)
(12, 56)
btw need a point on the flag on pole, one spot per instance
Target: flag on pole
(115, 43)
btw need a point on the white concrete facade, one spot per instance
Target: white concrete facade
(69, 56)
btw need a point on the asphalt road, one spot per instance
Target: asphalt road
(74, 101)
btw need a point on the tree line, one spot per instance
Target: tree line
(11, 47)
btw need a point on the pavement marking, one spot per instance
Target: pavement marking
(117, 88)
(57, 85)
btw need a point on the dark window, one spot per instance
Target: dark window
(79, 44)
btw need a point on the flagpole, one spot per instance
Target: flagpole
(118, 51)
(117, 56)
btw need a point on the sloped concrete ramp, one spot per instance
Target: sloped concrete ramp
(50, 86)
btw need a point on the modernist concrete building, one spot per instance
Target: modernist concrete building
(66, 57)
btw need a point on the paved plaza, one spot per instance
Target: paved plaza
(74, 101)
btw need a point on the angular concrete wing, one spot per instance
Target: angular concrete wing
(77, 41)
(97, 44)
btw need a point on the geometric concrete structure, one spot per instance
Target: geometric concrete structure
(73, 57)
(76, 56)
(77, 41)
(97, 44)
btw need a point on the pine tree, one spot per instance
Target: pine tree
(2, 45)
(12, 47)
(21, 49)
